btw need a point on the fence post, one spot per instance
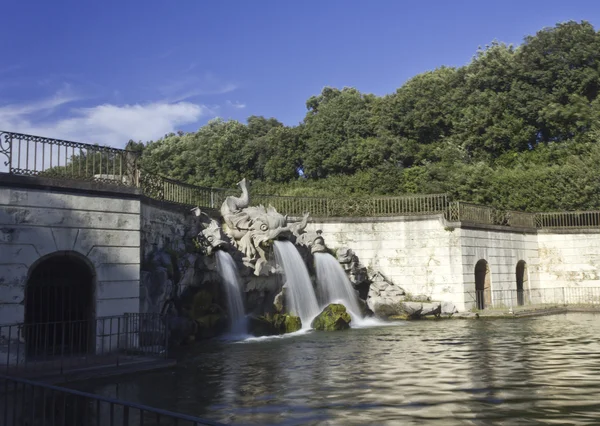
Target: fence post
(6, 149)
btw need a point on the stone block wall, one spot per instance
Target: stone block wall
(502, 249)
(416, 253)
(427, 255)
(569, 259)
(104, 229)
(165, 226)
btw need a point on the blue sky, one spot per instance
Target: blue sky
(106, 72)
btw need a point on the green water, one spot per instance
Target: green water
(543, 370)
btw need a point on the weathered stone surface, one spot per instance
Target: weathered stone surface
(279, 302)
(434, 308)
(448, 308)
(384, 297)
(270, 325)
(333, 317)
(356, 272)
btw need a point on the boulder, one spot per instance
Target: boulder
(448, 308)
(415, 310)
(211, 325)
(333, 317)
(383, 297)
(286, 323)
(270, 325)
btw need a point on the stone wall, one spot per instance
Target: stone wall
(416, 253)
(502, 249)
(105, 229)
(164, 226)
(427, 255)
(569, 259)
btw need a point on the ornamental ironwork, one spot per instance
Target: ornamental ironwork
(5, 147)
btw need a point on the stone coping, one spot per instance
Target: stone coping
(68, 186)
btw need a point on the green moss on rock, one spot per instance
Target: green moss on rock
(201, 303)
(333, 317)
(269, 325)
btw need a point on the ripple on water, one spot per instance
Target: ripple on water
(532, 371)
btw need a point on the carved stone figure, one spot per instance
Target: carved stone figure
(253, 228)
(211, 235)
(313, 240)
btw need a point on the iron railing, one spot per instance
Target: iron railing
(559, 296)
(61, 346)
(40, 156)
(585, 219)
(460, 211)
(28, 403)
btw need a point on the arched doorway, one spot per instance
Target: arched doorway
(483, 284)
(59, 306)
(522, 277)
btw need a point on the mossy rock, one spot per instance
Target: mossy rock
(210, 325)
(201, 303)
(286, 323)
(271, 325)
(333, 317)
(401, 317)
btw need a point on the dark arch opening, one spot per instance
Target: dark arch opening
(59, 307)
(483, 285)
(521, 281)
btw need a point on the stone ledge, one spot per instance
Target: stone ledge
(371, 219)
(68, 186)
(176, 207)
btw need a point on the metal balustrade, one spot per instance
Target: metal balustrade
(29, 349)
(27, 403)
(30, 155)
(559, 296)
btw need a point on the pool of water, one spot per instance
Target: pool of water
(543, 370)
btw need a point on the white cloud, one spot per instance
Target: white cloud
(105, 124)
(188, 85)
(235, 104)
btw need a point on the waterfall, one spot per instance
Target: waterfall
(300, 295)
(233, 288)
(334, 286)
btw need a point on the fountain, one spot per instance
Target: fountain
(228, 272)
(333, 286)
(300, 294)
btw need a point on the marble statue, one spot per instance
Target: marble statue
(253, 228)
(211, 235)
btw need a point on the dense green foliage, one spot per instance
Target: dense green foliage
(515, 128)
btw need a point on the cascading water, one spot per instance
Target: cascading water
(334, 286)
(300, 295)
(233, 289)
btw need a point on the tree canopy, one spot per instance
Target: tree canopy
(515, 128)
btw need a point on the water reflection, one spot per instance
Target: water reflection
(542, 370)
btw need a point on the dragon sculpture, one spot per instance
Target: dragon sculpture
(253, 228)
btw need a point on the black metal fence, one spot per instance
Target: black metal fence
(57, 347)
(40, 156)
(27, 403)
(31, 155)
(560, 296)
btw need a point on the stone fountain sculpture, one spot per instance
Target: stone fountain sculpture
(211, 235)
(252, 228)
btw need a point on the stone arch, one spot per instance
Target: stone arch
(483, 284)
(522, 278)
(60, 305)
